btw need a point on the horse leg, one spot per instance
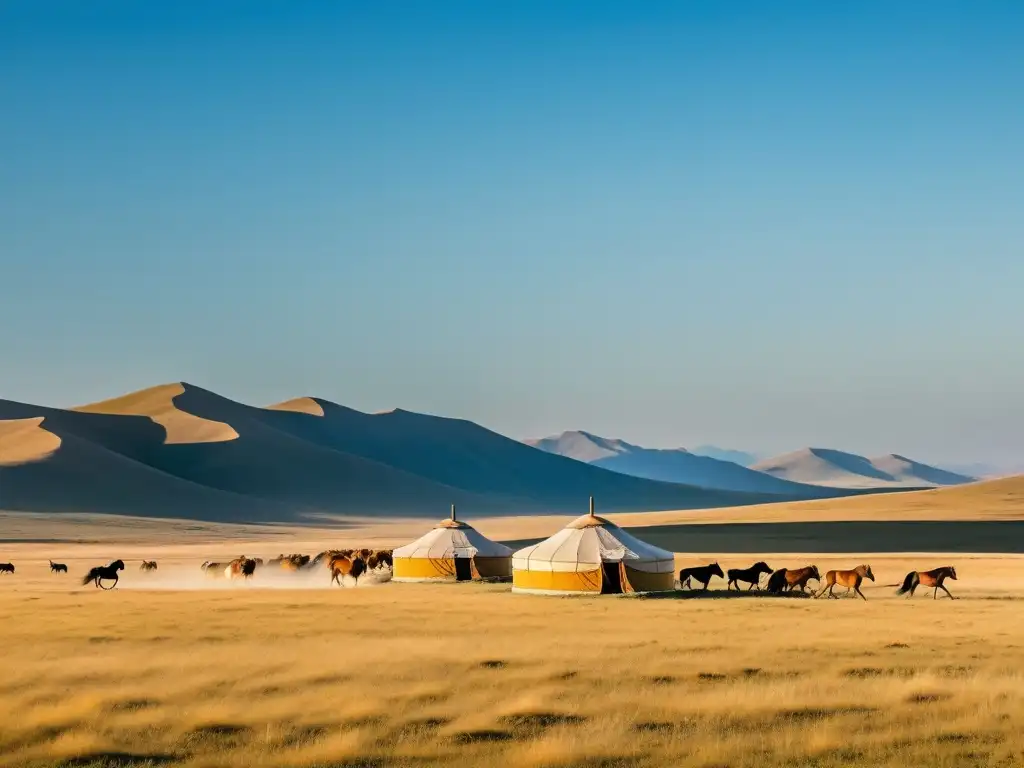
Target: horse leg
(947, 592)
(857, 590)
(751, 587)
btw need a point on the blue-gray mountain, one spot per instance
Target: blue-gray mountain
(807, 472)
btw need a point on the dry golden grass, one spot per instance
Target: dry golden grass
(407, 674)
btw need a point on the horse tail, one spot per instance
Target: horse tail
(90, 576)
(908, 583)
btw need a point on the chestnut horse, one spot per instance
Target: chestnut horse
(849, 579)
(751, 575)
(932, 578)
(243, 567)
(702, 574)
(344, 566)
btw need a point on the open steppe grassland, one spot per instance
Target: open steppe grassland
(470, 674)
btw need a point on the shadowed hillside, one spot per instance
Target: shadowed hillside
(180, 450)
(673, 465)
(59, 463)
(824, 466)
(465, 455)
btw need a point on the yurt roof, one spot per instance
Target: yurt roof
(450, 538)
(587, 542)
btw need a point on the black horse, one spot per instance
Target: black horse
(6, 567)
(751, 575)
(702, 574)
(102, 573)
(58, 567)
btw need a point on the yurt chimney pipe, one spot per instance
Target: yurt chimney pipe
(591, 506)
(453, 513)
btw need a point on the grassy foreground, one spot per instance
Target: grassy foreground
(395, 675)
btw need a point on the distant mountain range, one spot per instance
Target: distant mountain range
(178, 450)
(825, 466)
(802, 473)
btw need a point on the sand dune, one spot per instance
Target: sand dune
(828, 467)
(23, 441)
(207, 457)
(673, 465)
(83, 476)
(157, 403)
(465, 455)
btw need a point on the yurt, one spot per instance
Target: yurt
(452, 551)
(592, 556)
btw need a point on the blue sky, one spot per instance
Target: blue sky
(764, 227)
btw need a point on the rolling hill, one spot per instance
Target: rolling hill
(178, 450)
(672, 465)
(828, 467)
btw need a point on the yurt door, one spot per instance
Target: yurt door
(463, 568)
(611, 579)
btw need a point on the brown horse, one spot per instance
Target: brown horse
(344, 566)
(792, 578)
(751, 575)
(148, 565)
(702, 574)
(214, 570)
(932, 578)
(849, 579)
(58, 567)
(240, 567)
(295, 562)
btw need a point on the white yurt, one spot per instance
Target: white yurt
(452, 551)
(592, 555)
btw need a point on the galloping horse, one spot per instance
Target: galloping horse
(933, 578)
(381, 558)
(58, 567)
(102, 573)
(243, 567)
(849, 579)
(343, 566)
(148, 565)
(214, 570)
(295, 562)
(751, 575)
(702, 574)
(6, 567)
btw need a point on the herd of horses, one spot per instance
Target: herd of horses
(353, 563)
(340, 563)
(785, 580)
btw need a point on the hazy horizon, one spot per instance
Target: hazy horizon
(757, 227)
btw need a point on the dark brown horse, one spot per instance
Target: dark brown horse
(102, 573)
(932, 578)
(6, 567)
(849, 579)
(148, 565)
(58, 567)
(751, 575)
(344, 566)
(701, 574)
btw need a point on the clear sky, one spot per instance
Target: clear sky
(763, 225)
